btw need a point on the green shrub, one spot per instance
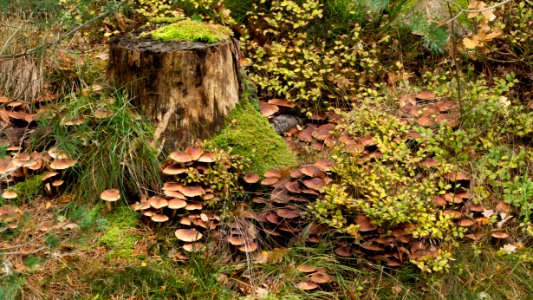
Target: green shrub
(392, 188)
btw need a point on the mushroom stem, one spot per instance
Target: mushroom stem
(108, 204)
(174, 211)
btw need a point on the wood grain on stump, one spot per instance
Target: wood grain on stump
(185, 88)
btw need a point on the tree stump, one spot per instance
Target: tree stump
(185, 88)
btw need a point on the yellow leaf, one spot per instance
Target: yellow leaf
(470, 44)
(488, 14)
(492, 35)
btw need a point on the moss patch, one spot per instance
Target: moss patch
(118, 236)
(193, 32)
(28, 189)
(250, 135)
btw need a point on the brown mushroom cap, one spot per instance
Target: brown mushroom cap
(195, 152)
(141, 205)
(174, 169)
(176, 203)
(172, 186)
(149, 213)
(312, 171)
(193, 247)
(193, 206)
(324, 164)
(307, 285)
(314, 183)
(249, 247)
(425, 95)
(500, 235)
(62, 164)
(269, 181)
(7, 165)
(365, 224)
(466, 223)
(306, 268)
(236, 240)
(48, 175)
(9, 195)
(174, 195)
(188, 235)
(158, 202)
(288, 213)
(251, 178)
(192, 191)
(180, 157)
(320, 277)
(273, 173)
(343, 251)
(268, 110)
(57, 183)
(159, 218)
(207, 158)
(110, 195)
(426, 121)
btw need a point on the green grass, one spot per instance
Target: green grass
(192, 31)
(28, 189)
(249, 134)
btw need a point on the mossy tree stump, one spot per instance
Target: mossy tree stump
(185, 88)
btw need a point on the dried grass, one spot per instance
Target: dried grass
(21, 78)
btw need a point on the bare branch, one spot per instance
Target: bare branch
(464, 10)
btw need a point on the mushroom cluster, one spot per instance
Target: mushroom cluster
(278, 212)
(51, 164)
(424, 109)
(195, 180)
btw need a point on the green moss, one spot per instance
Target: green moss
(250, 135)
(28, 189)
(193, 32)
(118, 236)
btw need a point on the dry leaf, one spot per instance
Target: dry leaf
(470, 43)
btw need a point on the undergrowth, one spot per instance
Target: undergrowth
(112, 143)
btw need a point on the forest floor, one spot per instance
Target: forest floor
(59, 241)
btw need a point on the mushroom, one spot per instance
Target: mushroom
(176, 204)
(158, 203)
(9, 195)
(159, 218)
(320, 277)
(109, 196)
(307, 285)
(188, 235)
(62, 164)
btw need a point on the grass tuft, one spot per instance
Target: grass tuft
(113, 152)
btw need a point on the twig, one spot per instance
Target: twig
(23, 244)
(20, 252)
(457, 75)
(464, 10)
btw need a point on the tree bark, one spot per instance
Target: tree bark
(185, 88)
